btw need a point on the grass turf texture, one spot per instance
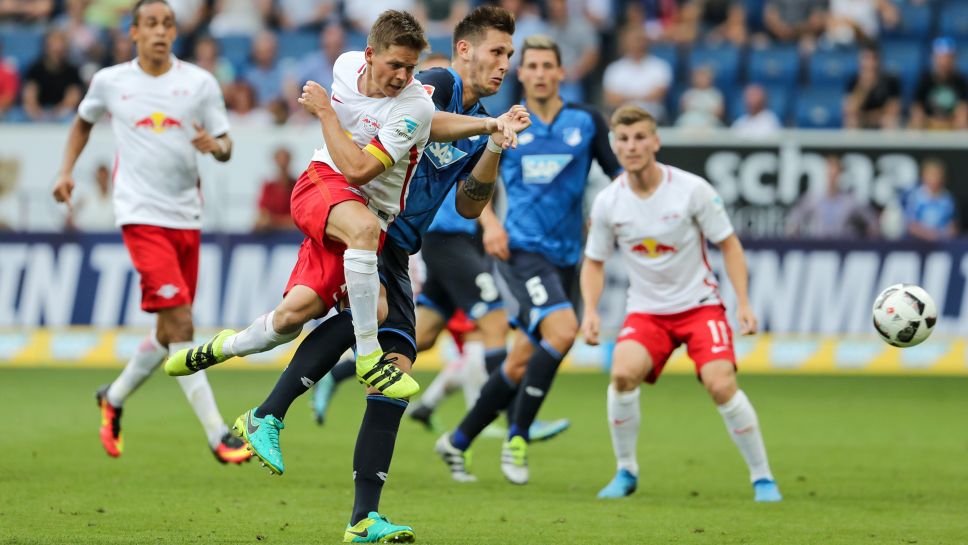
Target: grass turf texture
(859, 460)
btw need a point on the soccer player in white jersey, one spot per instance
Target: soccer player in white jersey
(163, 111)
(660, 218)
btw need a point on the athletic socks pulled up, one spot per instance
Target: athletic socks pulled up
(148, 356)
(542, 368)
(744, 428)
(260, 336)
(374, 451)
(363, 290)
(496, 394)
(624, 416)
(200, 396)
(317, 354)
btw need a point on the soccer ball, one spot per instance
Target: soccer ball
(904, 315)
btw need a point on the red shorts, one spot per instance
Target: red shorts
(167, 260)
(704, 331)
(319, 265)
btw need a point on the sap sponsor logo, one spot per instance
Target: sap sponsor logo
(543, 169)
(442, 155)
(572, 136)
(525, 138)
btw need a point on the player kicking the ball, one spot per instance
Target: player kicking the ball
(163, 111)
(660, 217)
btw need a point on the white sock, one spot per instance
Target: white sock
(202, 400)
(475, 375)
(258, 337)
(624, 415)
(363, 289)
(148, 356)
(744, 428)
(447, 381)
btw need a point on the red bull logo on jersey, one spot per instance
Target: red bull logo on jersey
(650, 247)
(158, 122)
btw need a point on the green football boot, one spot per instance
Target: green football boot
(375, 528)
(377, 370)
(188, 361)
(262, 435)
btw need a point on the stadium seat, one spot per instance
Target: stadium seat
(441, 44)
(723, 59)
(833, 67)
(819, 108)
(236, 48)
(906, 59)
(668, 53)
(23, 46)
(953, 20)
(916, 22)
(777, 64)
(355, 41)
(296, 45)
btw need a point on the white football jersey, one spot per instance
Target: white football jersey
(662, 239)
(394, 129)
(155, 170)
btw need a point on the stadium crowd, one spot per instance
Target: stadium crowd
(755, 65)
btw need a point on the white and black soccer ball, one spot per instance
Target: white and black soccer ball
(904, 315)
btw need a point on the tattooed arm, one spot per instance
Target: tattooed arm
(475, 191)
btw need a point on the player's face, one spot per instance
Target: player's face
(490, 61)
(391, 69)
(635, 146)
(154, 32)
(540, 74)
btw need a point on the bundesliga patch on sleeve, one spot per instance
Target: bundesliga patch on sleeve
(410, 126)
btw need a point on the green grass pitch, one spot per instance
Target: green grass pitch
(860, 460)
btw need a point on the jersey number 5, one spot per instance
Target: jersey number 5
(537, 291)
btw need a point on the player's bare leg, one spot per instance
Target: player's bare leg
(353, 224)
(719, 379)
(631, 362)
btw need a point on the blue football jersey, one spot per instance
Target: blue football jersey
(545, 179)
(441, 166)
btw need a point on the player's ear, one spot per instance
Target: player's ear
(368, 54)
(463, 48)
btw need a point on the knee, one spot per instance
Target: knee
(625, 379)
(721, 387)
(176, 326)
(514, 371)
(285, 319)
(561, 336)
(365, 233)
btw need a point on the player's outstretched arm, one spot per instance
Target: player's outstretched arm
(735, 261)
(476, 190)
(449, 127)
(76, 141)
(357, 165)
(592, 283)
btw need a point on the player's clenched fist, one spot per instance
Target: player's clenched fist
(63, 189)
(590, 325)
(315, 98)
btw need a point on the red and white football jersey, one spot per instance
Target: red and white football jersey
(155, 171)
(662, 239)
(394, 129)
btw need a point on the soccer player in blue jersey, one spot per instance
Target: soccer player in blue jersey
(539, 246)
(482, 50)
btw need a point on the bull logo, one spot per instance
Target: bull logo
(158, 122)
(650, 247)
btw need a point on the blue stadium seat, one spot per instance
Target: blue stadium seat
(953, 20)
(668, 53)
(355, 41)
(906, 59)
(832, 67)
(819, 108)
(777, 100)
(23, 46)
(296, 45)
(916, 22)
(723, 59)
(441, 44)
(236, 48)
(777, 64)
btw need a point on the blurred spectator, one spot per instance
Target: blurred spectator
(361, 14)
(122, 48)
(939, 101)
(9, 84)
(434, 60)
(701, 106)
(208, 56)
(317, 65)
(264, 74)
(637, 76)
(242, 108)
(832, 214)
(190, 15)
(713, 21)
(92, 209)
(873, 99)
(240, 17)
(107, 14)
(795, 20)
(758, 121)
(304, 14)
(274, 213)
(439, 17)
(859, 21)
(657, 18)
(578, 41)
(52, 85)
(25, 12)
(597, 12)
(527, 21)
(83, 37)
(930, 212)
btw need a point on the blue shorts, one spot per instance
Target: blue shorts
(538, 287)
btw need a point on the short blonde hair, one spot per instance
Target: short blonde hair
(541, 42)
(629, 114)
